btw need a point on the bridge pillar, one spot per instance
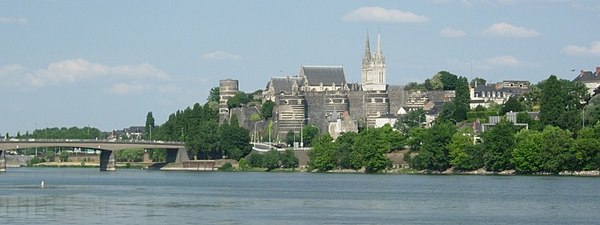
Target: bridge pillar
(177, 155)
(107, 161)
(2, 161)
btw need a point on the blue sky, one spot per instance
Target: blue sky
(107, 63)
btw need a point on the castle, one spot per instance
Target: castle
(320, 96)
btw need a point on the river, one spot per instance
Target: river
(128, 196)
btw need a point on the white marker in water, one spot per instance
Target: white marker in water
(42, 184)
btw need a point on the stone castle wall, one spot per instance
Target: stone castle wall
(397, 97)
(320, 106)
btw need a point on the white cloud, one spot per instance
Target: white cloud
(11, 75)
(69, 71)
(508, 30)
(378, 14)
(221, 55)
(125, 89)
(594, 49)
(122, 79)
(506, 60)
(450, 32)
(8, 20)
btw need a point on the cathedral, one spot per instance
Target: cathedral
(320, 96)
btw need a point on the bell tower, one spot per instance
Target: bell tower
(373, 69)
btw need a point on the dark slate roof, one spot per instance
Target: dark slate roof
(284, 84)
(587, 76)
(327, 75)
(516, 91)
(483, 88)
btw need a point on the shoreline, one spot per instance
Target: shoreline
(592, 173)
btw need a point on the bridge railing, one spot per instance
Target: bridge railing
(92, 141)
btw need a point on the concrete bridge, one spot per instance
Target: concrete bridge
(176, 151)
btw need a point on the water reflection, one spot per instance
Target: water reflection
(86, 196)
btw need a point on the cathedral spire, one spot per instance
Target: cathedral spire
(379, 53)
(367, 48)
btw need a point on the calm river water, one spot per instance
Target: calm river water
(87, 196)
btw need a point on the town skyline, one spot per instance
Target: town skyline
(92, 64)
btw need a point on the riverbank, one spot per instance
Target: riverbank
(220, 163)
(88, 165)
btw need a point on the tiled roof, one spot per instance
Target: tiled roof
(587, 76)
(326, 75)
(284, 84)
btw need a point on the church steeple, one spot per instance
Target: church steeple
(379, 53)
(373, 71)
(367, 49)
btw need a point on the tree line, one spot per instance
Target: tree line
(198, 126)
(557, 141)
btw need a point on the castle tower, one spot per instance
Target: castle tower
(373, 70)
(228, 88)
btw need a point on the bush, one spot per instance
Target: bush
(243, 164)
(226, 167)
(35, 160)
(255, 160)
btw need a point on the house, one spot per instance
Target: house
(590, 79)
(497, 93)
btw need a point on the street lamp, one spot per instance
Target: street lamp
(256, 134)
(301, 135)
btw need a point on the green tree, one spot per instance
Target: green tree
(462, 100)
(345, 143)
(157, 155)
(271, 160)
(561, 103)
(149, 126)
(309, 132)
(412, 119)
(512, 105)
(587, 148)
(478, 81)
(434, 150)
(288, 159)
(238, 100)
(323, 155)
(234, 140)
(290, 138)
(448, 80)
(428, 85)
(64, 156)
(214, 95)
(436, 82)
(556, 152)
(526, 155)
(499, 143)
(255, 160)
(464, 155)
(591, 114)
(532, 98)
(369, 151)
(266, 110)
(414, 86)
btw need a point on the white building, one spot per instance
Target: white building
(373, 71)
